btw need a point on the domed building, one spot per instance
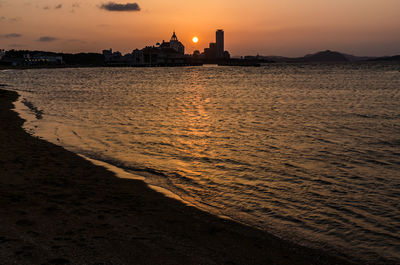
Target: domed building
(174, 43)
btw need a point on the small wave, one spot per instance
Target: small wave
(391, 143)
(123, 166)
(377, 162)
(38, 113)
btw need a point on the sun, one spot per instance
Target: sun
(195, 39)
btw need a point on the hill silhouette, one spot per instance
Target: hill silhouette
(325, 56)
(329, 56)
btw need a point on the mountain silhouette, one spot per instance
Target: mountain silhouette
(325, 56)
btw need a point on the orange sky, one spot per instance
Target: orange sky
(267, 27)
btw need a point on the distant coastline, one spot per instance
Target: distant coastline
(26, 59)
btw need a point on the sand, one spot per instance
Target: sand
(58, 208)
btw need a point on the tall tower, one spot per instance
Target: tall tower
(219, 43)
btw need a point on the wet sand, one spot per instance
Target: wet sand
(58, 208)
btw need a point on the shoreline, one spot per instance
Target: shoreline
(121, 173)
(59, 208)
(28, 114)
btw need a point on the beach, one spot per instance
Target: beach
(58, 208)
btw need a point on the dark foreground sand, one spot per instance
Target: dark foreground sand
(58, 208)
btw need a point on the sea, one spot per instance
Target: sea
(307, 152)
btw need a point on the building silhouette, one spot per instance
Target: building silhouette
(215, 50)
(219, 43)
(170, 53)
(2, 53)
(174, 43)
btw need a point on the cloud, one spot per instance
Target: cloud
(46, 39)
(111, 6)
(58, 6)
(11, 35)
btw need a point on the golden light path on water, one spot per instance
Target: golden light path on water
(308, 152)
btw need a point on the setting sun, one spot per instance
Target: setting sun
(195, 39)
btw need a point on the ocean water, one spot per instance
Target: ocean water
(308, 152)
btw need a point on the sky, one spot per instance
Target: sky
(265, 27)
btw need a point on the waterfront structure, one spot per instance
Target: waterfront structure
(2, 53)
(42, 59)
(219, 43)
(174, 43)
(170, 53)
(31, 59)
(110, 56)
(215, 50)
(211, 51)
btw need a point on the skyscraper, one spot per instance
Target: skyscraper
(219, 37)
